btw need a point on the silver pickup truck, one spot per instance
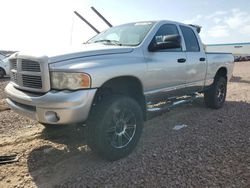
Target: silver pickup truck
(112, 81)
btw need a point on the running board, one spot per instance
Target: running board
(170, 103)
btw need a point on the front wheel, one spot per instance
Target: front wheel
(114, 127)
(215, 96)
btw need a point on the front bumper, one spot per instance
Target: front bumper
(54, 107)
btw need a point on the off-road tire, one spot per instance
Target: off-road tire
(215, 96)
(104, 117)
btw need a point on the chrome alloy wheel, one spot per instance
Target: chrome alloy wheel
(122, 128)
(221, 92)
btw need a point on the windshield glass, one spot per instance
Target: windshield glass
(124, 35)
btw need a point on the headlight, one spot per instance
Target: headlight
(71, 81)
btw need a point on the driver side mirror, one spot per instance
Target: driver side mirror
(168, 42)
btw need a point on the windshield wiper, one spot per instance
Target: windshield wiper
(113, 42)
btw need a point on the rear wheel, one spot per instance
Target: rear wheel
(114, 127)
(215, 96)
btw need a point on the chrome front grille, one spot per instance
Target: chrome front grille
(28, 65)
(30, 75)
(32, 81)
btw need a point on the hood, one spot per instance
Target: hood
(85, 50)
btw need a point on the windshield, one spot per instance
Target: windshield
(124, 35)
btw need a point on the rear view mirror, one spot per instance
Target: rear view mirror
(168, 42)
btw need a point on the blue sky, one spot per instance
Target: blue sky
(49, 24)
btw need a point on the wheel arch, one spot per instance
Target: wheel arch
(222, 71)
(124, 85)
(1, 68)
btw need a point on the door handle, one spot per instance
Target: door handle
(181, 60)
(202, 59)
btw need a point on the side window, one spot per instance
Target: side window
(167, 29)
(190, 39)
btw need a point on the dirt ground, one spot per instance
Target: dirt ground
(212, 151)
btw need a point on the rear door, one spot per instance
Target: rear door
(166, 67)
(196, 61)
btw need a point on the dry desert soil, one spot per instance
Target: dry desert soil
(213, 150)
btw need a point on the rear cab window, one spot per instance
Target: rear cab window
(191, 41)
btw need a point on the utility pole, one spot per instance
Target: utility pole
(89, 24)
(101, 16)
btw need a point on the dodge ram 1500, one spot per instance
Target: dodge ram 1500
(109, 82)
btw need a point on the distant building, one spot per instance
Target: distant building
(241, 51)
(237, 49)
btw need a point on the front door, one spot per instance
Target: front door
(166, 67)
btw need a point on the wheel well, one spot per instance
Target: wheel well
(3, 70)
(222, 72)
(125, 85)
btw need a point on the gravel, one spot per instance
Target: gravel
(10, 122)
(211, 150)
(207, 153)
(3, 83)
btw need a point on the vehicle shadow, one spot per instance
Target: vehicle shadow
(64, 149)
(4, 79)
(239, 80)
(64, 160)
